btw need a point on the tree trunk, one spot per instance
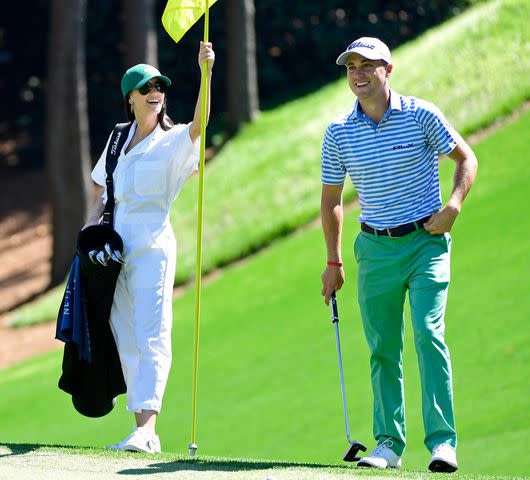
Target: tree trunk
(67, 136)
(242, 79)
(140, 32)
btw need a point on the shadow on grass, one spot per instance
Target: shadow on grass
(23, 448)
(168, 466)
(218, 465)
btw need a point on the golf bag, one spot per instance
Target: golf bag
(91, 369)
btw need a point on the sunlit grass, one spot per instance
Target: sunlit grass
(48, 462)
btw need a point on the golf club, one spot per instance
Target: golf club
(113, 254)
(102, 258)
(355, 446)
(92, 255)
(119, 257)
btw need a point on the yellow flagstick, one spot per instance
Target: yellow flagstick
(204, 85)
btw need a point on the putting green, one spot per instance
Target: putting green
(28, 462)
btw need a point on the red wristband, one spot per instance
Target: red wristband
(334, 264)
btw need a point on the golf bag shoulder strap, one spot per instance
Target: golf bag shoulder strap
(117, 140)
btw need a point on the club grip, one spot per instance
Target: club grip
(334, 309)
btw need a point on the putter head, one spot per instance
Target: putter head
(353, 449)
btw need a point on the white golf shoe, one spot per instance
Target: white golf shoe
(382, 456)
(142, 439)
(443, 459)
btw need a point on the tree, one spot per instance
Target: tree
(242, 78)
(67, 136)
(140, 32)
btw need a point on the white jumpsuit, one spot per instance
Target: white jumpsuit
(146, 181)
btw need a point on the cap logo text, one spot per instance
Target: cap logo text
(362, 45)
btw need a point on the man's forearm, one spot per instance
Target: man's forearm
(332, 227)
(465, 173)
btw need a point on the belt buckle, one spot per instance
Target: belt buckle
(388, 232)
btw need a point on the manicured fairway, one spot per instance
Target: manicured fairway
(268, 375)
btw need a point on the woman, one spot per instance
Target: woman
(156, 160)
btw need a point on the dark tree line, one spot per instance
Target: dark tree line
(287, 33)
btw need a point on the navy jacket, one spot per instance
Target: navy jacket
(72, 321)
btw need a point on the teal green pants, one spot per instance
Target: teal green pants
(420, 263)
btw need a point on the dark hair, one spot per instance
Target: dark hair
(163, 118)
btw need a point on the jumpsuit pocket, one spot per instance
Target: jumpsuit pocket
(148, 271)
(150, 178)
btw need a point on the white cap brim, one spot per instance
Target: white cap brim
(365, 52)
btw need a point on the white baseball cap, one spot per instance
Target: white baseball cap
(368, 47)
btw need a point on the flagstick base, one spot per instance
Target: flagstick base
(193, 448)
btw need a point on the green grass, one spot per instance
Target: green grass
(269, 384)
(266, 182)
(52, 462)
(472, 67)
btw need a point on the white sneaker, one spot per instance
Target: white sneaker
(143, 439)
(382, 456)
(443, 459)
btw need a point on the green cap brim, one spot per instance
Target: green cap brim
(165, 79)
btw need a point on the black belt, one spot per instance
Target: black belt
(398, 231)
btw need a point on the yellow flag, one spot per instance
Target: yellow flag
(180, 15)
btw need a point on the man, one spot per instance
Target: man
(389, 145)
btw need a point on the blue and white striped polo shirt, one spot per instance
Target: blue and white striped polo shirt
(393, 165)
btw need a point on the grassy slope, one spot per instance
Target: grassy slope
(472, 67)
(266, 181)
(268, 375)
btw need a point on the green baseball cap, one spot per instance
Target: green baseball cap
(136, 76)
